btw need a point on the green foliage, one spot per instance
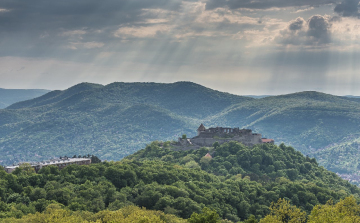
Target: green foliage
(236, 183)
(130, 214)
(342, 158)
(206, 216)
(192, 164)
(268, 164)
(184, 136)
(283, 212)
(251, 219)
(345, 211)
(281, 171)
(216, 145)
(24, 169)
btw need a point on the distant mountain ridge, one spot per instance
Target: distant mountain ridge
(54, 96)
(181, 97)
(10, 96)
(96, 118)
(257, 96)
(116, 120)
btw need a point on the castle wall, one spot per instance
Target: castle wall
(256, 139)
(208, 141)
(248, 140)
(207, 137)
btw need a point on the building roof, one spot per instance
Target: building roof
(267, 140)
(201, 128)
(208, 155)
(52, 162)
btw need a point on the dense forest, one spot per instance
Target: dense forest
(345, 211)
(236, 182)
(342, 157)
(118, 119)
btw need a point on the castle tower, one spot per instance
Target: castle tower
(201, 129)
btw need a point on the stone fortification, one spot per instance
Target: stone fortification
(207, 137)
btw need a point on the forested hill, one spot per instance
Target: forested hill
(111, 121)
(118, 119)
(182, 98)
(236, 182)
(280, 171)
(10, 96)
(264, 163)
(55, 96)
(319, 125)
(305, 120)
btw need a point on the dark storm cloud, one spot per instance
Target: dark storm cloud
(54, 28)
(319, 29)
(264, 4)
(348, 8)
(68, 14)
(297, 24)
(81, 29)
(314, 32)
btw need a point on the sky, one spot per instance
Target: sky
(245, 47)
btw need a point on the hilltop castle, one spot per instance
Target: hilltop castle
(207, 137)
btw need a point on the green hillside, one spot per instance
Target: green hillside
(10, 96)
(111, 121)
(305, 120)
(183, 98)
(264, 163)
(55, 96)
(116, 120)
(236, 182)
(342, 157)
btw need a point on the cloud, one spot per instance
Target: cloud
(71, 15)
(83, 29)
(308, 8)
(65, 42)
(34, 28)
(73, 33)
(297, 24)
(314, 32)
(335, 19)
(262, 4)
(85, 45)
(142, 31)
(348, 8)
(319, 29)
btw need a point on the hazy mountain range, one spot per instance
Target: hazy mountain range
(257, 96)
(118, 119)
(11, 96)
